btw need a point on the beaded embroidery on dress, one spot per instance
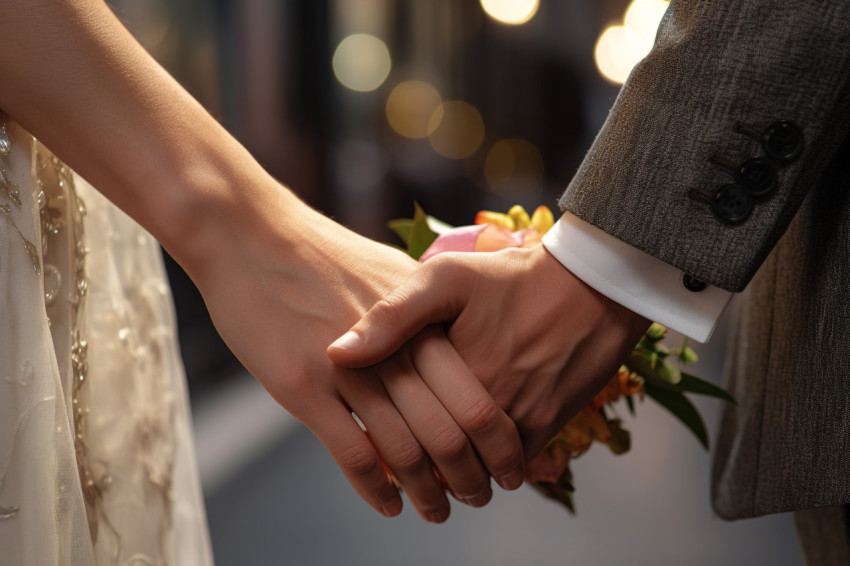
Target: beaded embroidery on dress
(96, 457)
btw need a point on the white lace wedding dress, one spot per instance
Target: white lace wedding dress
(96, 457)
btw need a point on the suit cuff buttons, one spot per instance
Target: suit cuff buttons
(781, 140)
(732, 204)
(755, 178)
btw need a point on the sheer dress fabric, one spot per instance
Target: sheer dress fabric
(96, 457)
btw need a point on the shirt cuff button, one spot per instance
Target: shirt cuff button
(692, 284)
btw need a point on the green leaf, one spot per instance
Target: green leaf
(655, 332)
(621, 439)
(416, 232)
(686, 354)
(681, 407)
(561, 491)
(402, 227)
(701, 386)
(651, 368)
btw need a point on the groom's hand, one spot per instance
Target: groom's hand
(540, 340)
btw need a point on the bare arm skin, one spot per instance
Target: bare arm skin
(280, 280)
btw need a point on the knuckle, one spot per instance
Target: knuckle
(449, 443)
(359, 461)
(389, 310)
(481, 417)
(446, 268)
(407, 458)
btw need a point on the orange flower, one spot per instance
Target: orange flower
(625, 383)
(587, 426)
(571, 442)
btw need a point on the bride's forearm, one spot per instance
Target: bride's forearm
(75, 78)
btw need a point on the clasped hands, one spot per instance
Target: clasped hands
(461, 370)
(539, 341)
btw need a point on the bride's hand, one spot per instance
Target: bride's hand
(280, 280)
(280, 291)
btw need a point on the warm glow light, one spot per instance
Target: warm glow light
(410, 106)
(643, 16)
(513, 165)
(620, 48)
(617, 51)
(362, 62)
(513, 12)
(457, 129)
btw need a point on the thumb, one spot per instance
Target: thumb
(393, 321)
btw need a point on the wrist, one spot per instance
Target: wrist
(206, 196)
(613, 312)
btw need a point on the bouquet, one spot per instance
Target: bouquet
(648, 371)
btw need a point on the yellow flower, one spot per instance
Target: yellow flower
(517, 219)
(542, 219)
(496, 219)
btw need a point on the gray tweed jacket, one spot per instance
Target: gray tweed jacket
(727, 155)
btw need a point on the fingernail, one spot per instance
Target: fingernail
(348, 341)
(391, 509)
(477, 500)
(512, 480)
(439, 516)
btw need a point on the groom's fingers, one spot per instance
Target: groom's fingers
(434, 293)
(492, 432)
(445, 442)
(399, 448)
(357, 458)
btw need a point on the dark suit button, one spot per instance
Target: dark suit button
(757, 176)
(783, 140)
(693, 284)
(732, 203)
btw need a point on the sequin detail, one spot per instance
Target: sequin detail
(12, 192)
(60, 206)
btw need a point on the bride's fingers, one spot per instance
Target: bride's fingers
(491, 431)
(396, 444)
(357, 457)
(445, 442)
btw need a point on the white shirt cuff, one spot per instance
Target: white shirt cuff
(638, 281)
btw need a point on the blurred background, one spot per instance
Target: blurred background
(363, 107)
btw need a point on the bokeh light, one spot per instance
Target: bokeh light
(643, 16)
(617, 51)
(620, 48)
(457, 129)
(514, 12)
(410, 107)
(512, 166)
(362, 62)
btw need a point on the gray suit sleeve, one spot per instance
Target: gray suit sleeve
(665, 172)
